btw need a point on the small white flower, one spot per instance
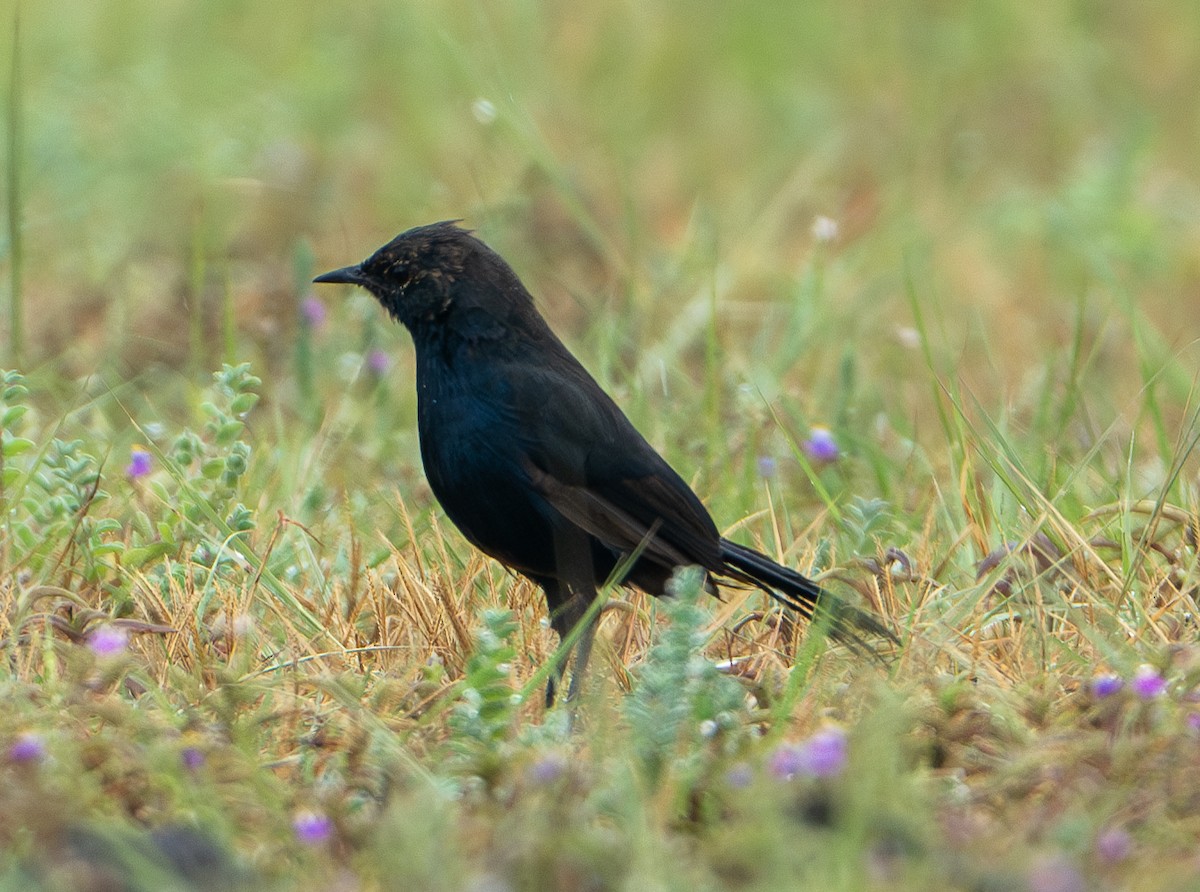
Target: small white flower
(348, 366)
(483, 110)
(908, 336)
(824, 229)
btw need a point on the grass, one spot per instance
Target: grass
(265, 654)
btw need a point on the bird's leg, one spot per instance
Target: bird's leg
(583, 652)
(562, 620)
(569, 594)
(566, 614)
(553, 685)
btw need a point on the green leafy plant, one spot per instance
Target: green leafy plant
(484, 718)
(684, 714)
(203, 483)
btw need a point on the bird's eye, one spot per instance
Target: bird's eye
(400, 274)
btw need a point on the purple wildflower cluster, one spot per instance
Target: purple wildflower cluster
(1113, 845)
(1106, 685)
(821, 447)
(1147, 683)
(139, 463)
(548, 769)
(823, 755)
(192, 758)
(29, 747)
(378, 361)
(313, 312)
(312, 828)
(108, 641)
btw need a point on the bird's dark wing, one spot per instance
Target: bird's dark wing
(617, 528)
(596, 470)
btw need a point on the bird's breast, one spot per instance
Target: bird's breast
(471, 455)
(467, 443)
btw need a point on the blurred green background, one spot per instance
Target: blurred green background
(1014, 190)
(1011, 159)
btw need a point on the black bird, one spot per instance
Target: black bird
(531, 460)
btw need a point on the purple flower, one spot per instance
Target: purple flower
(786, 762)
(1106, 685)
(826, 752)
(1056, 874)
(767, 467)
(378, 362)
(822, 755)
(820, 445)
(1193, 722)
(312, 828)
(28, 747)
(139, 463)
(739, 776)
(1148, 683)
(548, 769)
(108, 641)
(192, 758)
(1113, 845)
(312, 311)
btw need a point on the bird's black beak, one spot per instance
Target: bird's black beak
(347, 275)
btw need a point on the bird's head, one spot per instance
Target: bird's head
(415, 274)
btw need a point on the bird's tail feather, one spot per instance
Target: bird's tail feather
(801, 594)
